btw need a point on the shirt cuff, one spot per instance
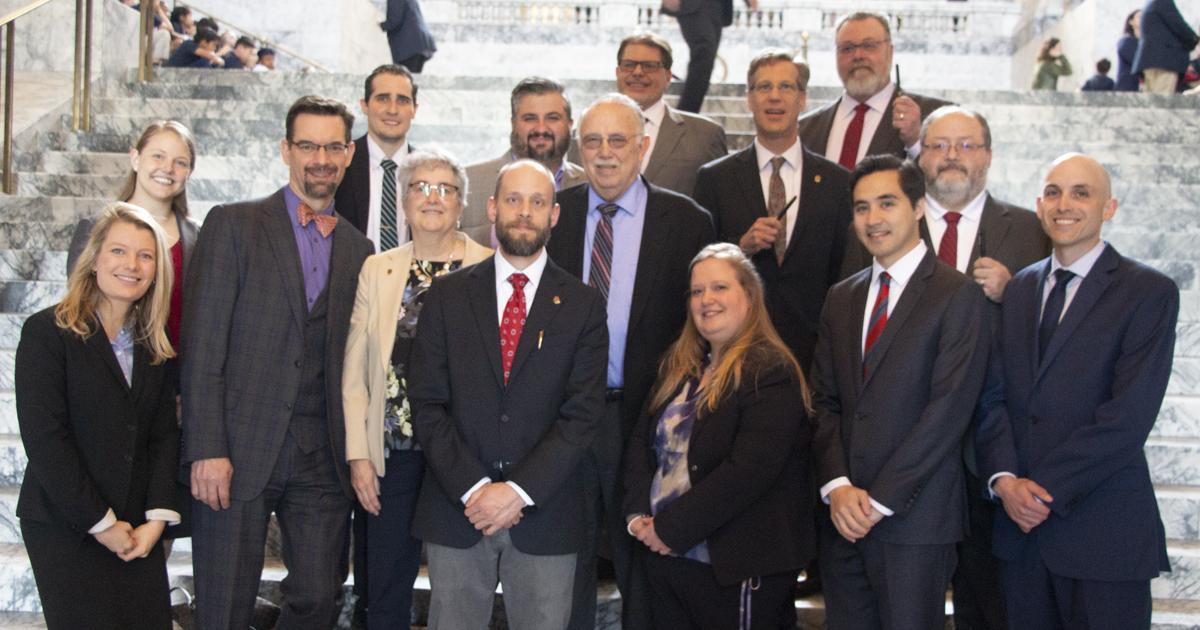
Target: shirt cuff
(836, 483)
(110, 519)
(162, 514)
(992, 481)
(521, 493)
(478, 484)
(883, 509)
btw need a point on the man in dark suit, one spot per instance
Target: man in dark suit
(700, 23)
(873, 116)
(792, 220)
(1078, 374)
(633, 241)
(367, 196)
(1165, 46)
(408, 37)
(506, 399)
(986, 239)
(541, 131)
(243, 56)
(268, 300)
(899, 365)
(680, 142)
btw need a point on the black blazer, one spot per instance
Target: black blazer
(352, 200)
(188, 231)
(93, 442)
(541, 422)
(675, 230)
(731, 189)
(815, 126)
(748, 459)
(898, 434)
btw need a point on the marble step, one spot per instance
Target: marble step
(107, 186)
(1174, 461)
(29, 296)
(31, 264)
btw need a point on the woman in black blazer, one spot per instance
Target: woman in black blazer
(715, 471)
(97, 418)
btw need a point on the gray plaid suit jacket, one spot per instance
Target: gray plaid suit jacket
(245, 310)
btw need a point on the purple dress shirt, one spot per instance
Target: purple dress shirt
(314, 249)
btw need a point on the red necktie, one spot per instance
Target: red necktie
(853, 136)
(325, 222)
(878, 319)
(513, 322)
(948, 249)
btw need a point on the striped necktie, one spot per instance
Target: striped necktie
(600, 274)
(878, 319)
(388, 238)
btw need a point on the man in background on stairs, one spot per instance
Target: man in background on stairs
(1078, 372)
(680, 142)
(409, 38)
(701, 22)
(368, 197)
(243, 56)
(988, 240)
(541, 131)
(200, 52)
(268, 299)
(873, 116)
(1165, 47)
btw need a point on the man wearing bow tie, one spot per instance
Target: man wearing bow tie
(268, 302)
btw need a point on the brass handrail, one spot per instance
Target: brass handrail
(32, 6)
(265, 41)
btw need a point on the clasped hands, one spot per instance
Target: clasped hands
(642, 528)
(493, 507)
(129, 542)
(852, 512)
(1025, 502)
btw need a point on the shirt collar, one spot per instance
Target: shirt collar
(292, 201)
(879, 102)
(504, 269)
(973, 211)
(1083, 266)
(655, 113)
(764, 155)
(375, 153)
(901, 270)
(631, 202)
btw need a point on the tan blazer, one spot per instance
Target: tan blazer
(369, 346)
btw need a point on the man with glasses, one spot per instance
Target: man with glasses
(872, 116)
(680, 142)
(368, 197)
(268, 300)
(633, 241)
(541, 131)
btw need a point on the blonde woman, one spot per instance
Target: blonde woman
(97, 417)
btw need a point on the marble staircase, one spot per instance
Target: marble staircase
(1148, 142)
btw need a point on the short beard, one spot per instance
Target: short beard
(863, 88)
(522, 149)
(951, 193)
(517, 246)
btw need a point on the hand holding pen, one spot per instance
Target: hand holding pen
(765, 231)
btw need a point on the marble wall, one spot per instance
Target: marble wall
(45, 39)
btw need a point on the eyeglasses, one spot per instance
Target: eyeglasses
(630, 65)
(787, 88)
(444, 191)
(310, 148)
(964, 148)
(869, 47)
(592, 142)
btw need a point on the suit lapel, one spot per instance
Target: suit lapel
(886, 139)
(277, 226)
(568, 236)
(670, 132)
(908, 301)
(823, 124)
(750, 183)
(341, 270)
(1090, 289)
(541, 314)
(389, 286)
(1033, 311)
(99, 344)
(652, 252)
(482, 295)
(993, 228)
(812, 197)
(141, 361)
(858, 302)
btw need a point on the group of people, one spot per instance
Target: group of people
(708, 367)
(201, 44)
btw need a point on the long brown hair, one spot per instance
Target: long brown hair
(77, 311)
(1044, 53)
(756, 346)
(179, 204)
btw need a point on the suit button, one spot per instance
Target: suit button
(128, 458)
(503, 417)
(287, 406)
(297, 363)
(695, 468)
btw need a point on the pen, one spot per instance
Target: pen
(785, 208)
(540, 333)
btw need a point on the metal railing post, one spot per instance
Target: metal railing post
(9, 57)
(87, 66)
(77, 78)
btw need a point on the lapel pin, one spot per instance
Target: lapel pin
(557, 300)
(389, 272)
(817, 179)
(540, 334)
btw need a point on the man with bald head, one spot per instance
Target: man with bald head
(632, 241)
(1079, 368)
(507, 393)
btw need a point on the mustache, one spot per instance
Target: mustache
(952, 167)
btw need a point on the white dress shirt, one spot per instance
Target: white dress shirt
(375, 158)
(871, 121)
(792, 173)
(901, 272)
(968, 227)
(654, 117)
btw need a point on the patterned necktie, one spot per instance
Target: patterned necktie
(853, 137)
(325, 222)
(388, 236)
(600, 273)
(513, 322)
(878, 319)
(948, 249)
(1053, 310)
(775, 206)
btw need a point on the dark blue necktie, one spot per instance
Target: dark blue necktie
(1053, 310)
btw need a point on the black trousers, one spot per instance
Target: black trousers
(978, 597)
(687, 595)
(701, 29)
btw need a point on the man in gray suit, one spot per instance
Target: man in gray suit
(680, 142)
(269, 294)
(541, 131)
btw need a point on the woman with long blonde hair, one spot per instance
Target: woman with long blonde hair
(716, 477)
(97, 415)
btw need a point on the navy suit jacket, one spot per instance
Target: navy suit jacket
(1166, 41)
(1076, 422)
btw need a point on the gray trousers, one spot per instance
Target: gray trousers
(462, 582)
